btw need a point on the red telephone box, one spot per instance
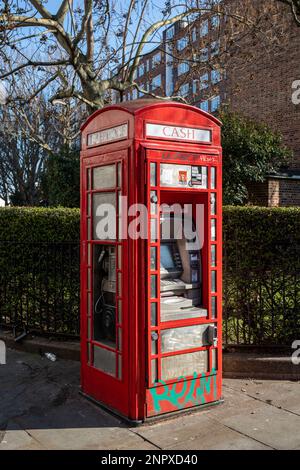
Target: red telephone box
(151, 258)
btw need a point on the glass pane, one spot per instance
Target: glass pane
(153, 313)
(88, 178)
(213, 206)
(213, 230)
(120, 215)
(120, 339)
(213, 177)
(104, 292)
(153, 256)
(88, 228)
(213, 253)
(120, 311)
(88, 204)
(214, 359)
(89, 254)
(88, 349)
(120, 284)
(214, 281)
(154, 338)
(104, 177)
(184, 365)
(89, 276)
(104, 216)
(153, 202)
(153, 230)
(89, 328)
(153, 174)
(153, 286)
(188, 337)
(119, 175)
(119, 256)
(105, 360)
(120, 367)
(214, 307)
(154, 370)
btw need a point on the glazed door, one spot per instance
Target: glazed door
(104, 282)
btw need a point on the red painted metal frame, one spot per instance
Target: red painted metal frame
(132, 396)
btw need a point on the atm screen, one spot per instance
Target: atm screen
(166, 256)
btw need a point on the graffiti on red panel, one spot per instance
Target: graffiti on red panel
(185, 392)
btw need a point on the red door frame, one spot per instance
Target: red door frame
(104, 388)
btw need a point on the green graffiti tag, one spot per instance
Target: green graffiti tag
(193, 391)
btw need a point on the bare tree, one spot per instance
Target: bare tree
(294, 8)
(76, 48)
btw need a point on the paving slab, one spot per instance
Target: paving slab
(276, 428)
(285, 395)
(41, 408)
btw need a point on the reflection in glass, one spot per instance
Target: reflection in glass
(153, 174)
(153, 202)
(153, 313)
(104, 177)
(153, 228)
(154, 370)
(187, 337)
(214, 359)
(104, 216)
(214, 307)
(119, 367)
(153, 257)
(213, 177)
(105, 360)
(153, 286)
(213, 207)
(213, 230)
(184, 365)
(213, 281)
(213, 253)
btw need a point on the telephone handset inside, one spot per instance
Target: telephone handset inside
(105, 290)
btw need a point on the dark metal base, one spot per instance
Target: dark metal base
(151, 419)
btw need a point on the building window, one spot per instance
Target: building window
(215, 48)
(215, 22)
(194, 34)
(156, 82)
(141, 93)
(182, 43)
(148, 65)
(204, 55)
(141, 70)
(215, 103)
(170, 32)
(156, 59)
(204, 81)
(195, 87)
(184, 90)
(215, 76)
(183, 67)
(134, 94)
(204, 105)
(204, 29)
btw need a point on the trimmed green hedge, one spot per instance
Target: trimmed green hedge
(35, 224)
(39, 274)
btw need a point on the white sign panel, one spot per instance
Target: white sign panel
(108, 135)
(178, 133)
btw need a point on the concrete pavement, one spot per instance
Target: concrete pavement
(40, 408)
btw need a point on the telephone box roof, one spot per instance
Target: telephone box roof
(138, 106)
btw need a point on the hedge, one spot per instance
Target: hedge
(39, 271)
(35, 224)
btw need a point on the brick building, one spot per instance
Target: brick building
(253, 76)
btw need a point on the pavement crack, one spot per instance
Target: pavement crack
(145, 439)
